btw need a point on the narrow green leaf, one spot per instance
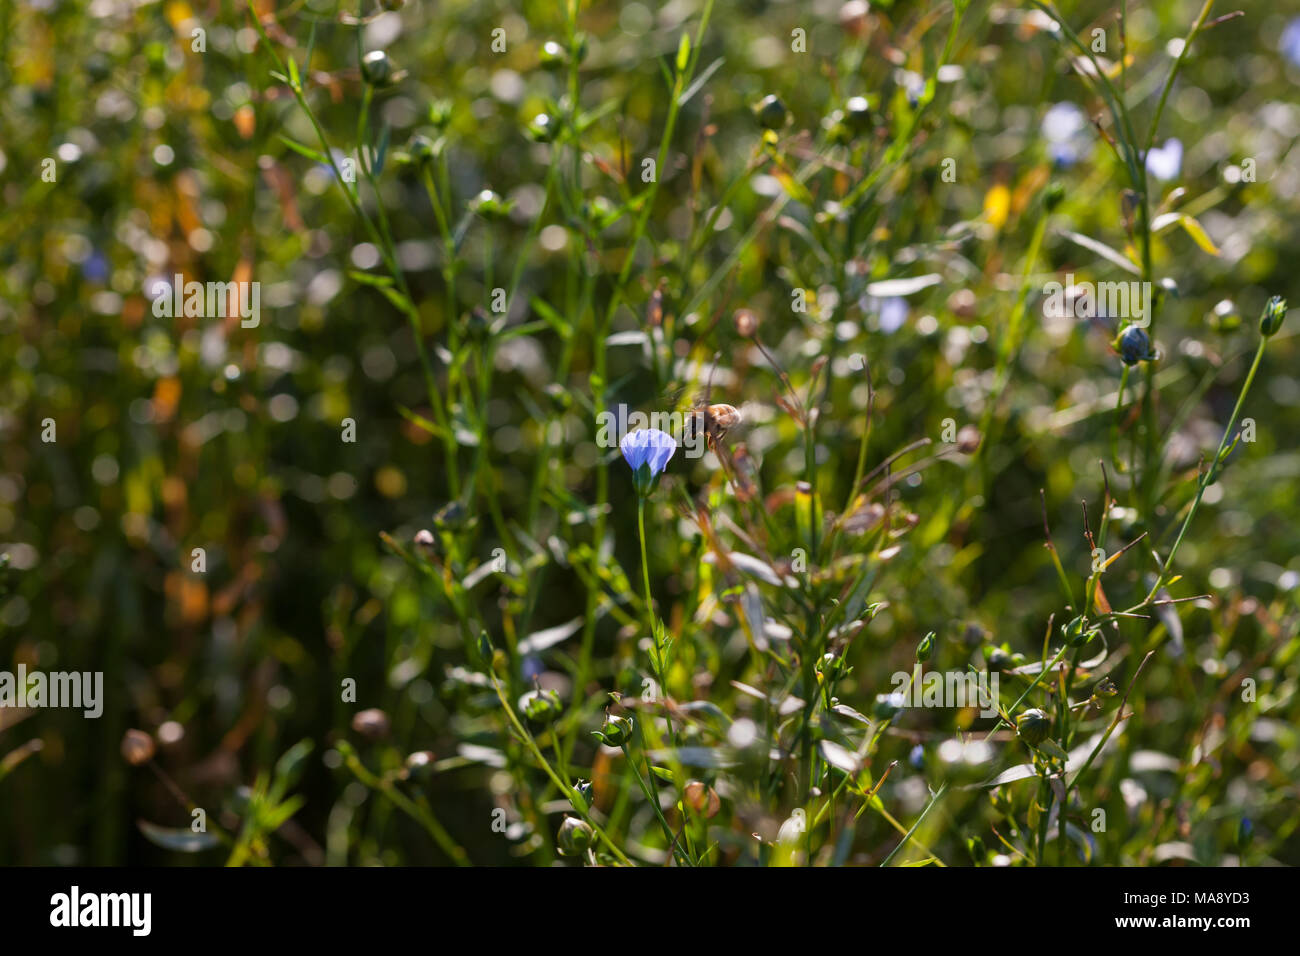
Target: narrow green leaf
(304, 150)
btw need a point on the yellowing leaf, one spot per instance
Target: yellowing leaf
(1198, 234)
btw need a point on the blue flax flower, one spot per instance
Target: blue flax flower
(647, 451)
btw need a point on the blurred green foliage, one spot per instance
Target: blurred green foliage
(173, 434)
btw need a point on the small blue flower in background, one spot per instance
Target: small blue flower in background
(1289, 44)
(648, 446)
(916, 757)
(1065, 129)
(893, 313)
(1164, 162)
(95, 268)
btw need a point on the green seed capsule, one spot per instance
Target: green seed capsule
(440, 113)
(1224, 317)
(1033, 726)
(616, 731)
(553, 55)
(771, 112)
(376, 68)
(857, 113)
(925, 648)
(543, 128)
(419, 765)
(490, 206)
(1077, 632)
(540, 706)
(422, 149)
(888, 706)
(575, 837)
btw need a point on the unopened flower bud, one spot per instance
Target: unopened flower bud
(1270, 320)
(1033, 725)
(1135, 346)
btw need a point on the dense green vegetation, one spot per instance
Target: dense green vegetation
(370, 582)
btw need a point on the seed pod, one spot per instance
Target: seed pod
(837, 130)
(925, 648)
(746, 322)
(887, 706)
(615, 732)
(1270, 320)
(419, 765)
(771, 112)
(543, 128)
(137, 747)
(575, 837)
(376, 68)
(422, 149)
(1054, 196)
(440, 113)
(490, 206)
(1105, 688)
(540, 706)
(702, 799)
(1077, 632)
(857, 114)
(553, 55)
(371, 724)
(1033, 726)
(1225, 317)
